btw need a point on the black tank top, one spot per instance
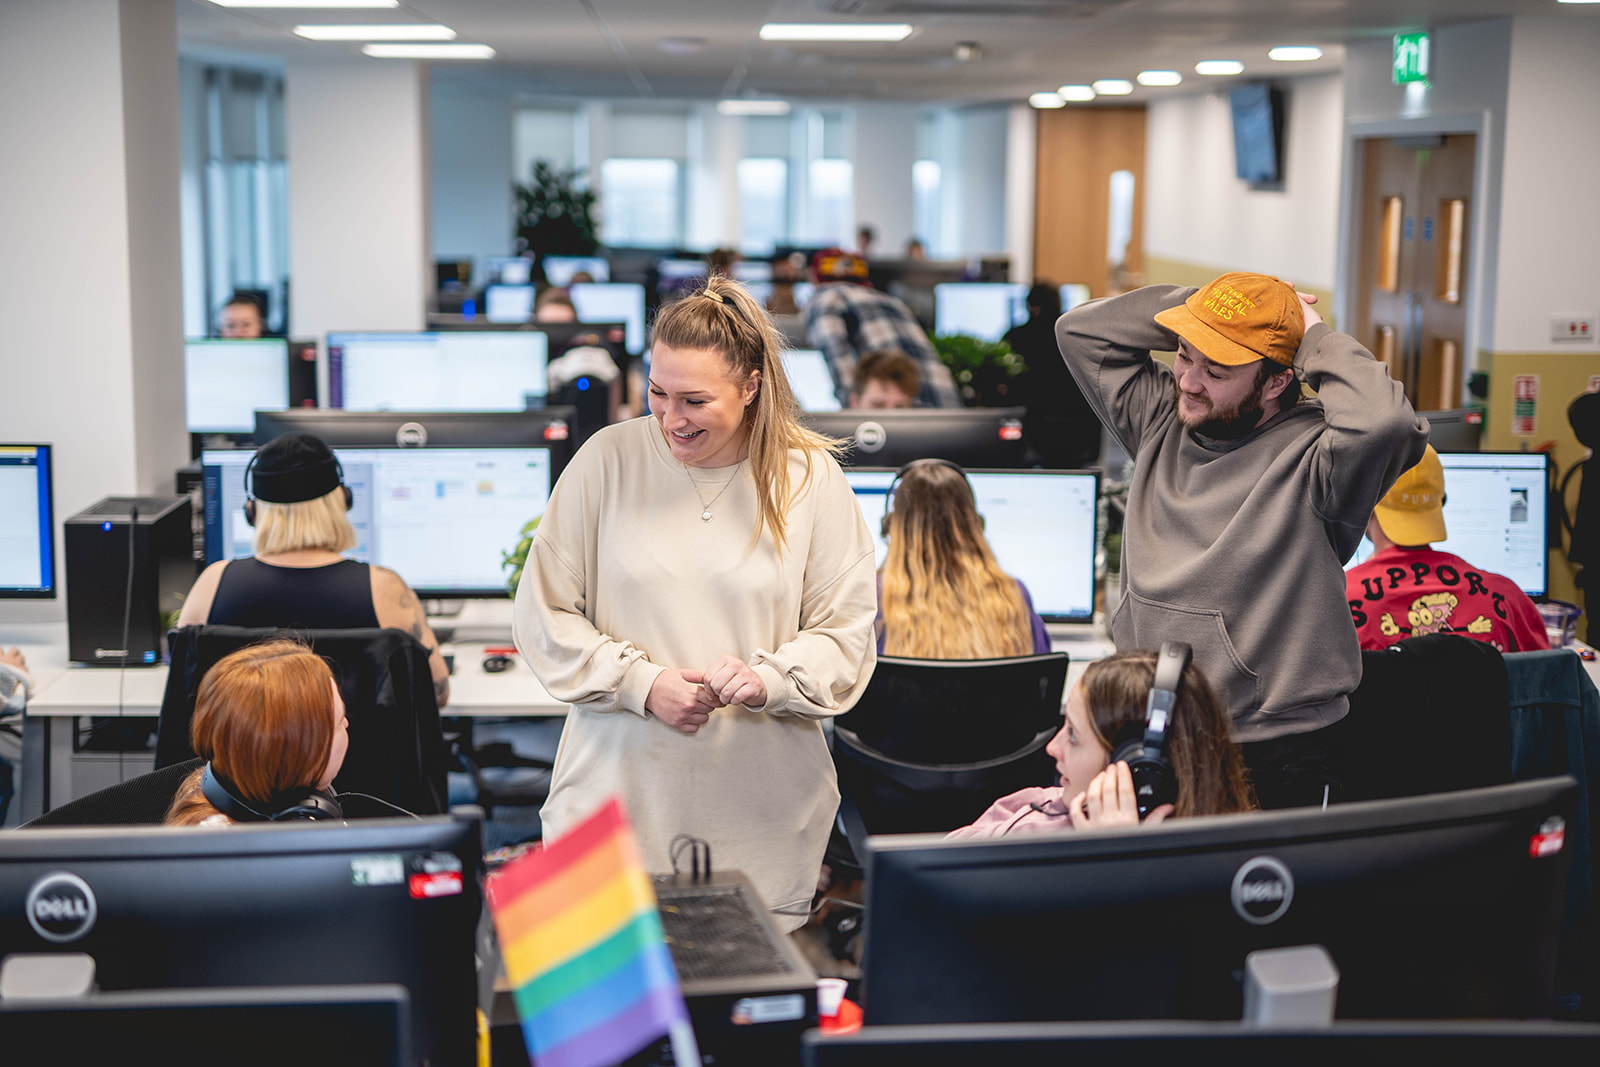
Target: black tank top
(337, 596)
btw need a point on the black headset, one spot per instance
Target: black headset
(1143, 745)
(894, 483)
(250, 501)
(287, 806)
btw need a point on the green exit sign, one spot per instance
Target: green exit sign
(1410, 58)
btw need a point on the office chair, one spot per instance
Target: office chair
(138, 801)
(397, 747)
(932, 743)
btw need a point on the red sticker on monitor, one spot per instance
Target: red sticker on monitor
(438, 884)
(1549, 840)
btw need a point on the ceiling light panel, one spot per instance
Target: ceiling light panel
(428, 51)
(1215, 68)
(753, 107)
(1160, 77)
(1113, 87)
(1295, 53)
(1077, 94)
(309, 5)
(398, 32)
(1046, 100)
(846, 31)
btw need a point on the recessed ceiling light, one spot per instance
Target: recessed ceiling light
(1113, 87)
(1076, 93)
(829, 31)
(1219, 67)
(307, 4)
(1295, 53)
(1160, 77)
(428, 51)
(753, 107)
(411, 32)
(1047, 100)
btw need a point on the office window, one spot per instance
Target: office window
(641, 203)
(925, 179)
(550, 134)
(763, 205)
(832, 207)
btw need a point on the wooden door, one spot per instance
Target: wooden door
(1078, 151)
(1411, 304)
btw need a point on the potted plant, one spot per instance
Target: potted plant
(517, 558)
(555, 215)
(983, 370)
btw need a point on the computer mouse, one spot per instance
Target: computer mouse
(496, 664)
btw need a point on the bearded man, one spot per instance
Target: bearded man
(1246, 499)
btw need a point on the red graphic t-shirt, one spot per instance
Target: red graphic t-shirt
(1401, 593)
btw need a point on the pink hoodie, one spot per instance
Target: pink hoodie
(1025, 811)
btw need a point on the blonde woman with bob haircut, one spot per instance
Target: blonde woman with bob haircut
(701, 591)
(941, 593)
(298, 576)
(271, 726)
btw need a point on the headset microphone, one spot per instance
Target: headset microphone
(1143, 746)
(894, 483)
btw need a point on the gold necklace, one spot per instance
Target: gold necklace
(705, 505)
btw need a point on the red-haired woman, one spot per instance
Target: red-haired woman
(270, 723)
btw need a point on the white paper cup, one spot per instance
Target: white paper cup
(830, 994)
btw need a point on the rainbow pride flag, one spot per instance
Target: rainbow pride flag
(583, 949)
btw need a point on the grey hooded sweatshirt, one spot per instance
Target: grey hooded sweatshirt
(1237, 547)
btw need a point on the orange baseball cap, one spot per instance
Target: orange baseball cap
(1412, 511)
(1240, 318)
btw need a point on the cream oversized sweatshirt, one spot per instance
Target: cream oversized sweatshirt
(624, 580)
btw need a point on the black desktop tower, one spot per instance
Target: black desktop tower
(97, 577)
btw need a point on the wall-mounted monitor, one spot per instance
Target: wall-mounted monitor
(1041, 525)
(456, 370)
(1258, 135)
(986, 310)
(27, 523)
(508, 303)
(226, 382)
(558, 270)
(811, 379)
(1444, 906)
(972, 437)
(612, 302)
(1495, 508)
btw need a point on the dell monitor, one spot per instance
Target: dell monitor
(1456, 430)
(226, 382)
(1041, 525)
(558, 270)
(1495, 505)
(457, 370)
(811, 379)
(1443, 906)
(372, 901)
(985, 310)
(508, 303)
(27, 523)
(613, 302)
(972, 437)
(547, 427)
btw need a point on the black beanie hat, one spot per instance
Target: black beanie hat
(294, 467)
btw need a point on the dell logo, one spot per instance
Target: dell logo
(61, 907)
(1263, 889)
(871, 437)
(411, 435)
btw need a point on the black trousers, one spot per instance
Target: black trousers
(1292, 772)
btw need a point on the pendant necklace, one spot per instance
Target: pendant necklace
(705, 505)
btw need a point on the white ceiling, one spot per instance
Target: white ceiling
(613, 48)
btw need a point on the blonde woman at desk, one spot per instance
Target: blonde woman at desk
(941, 594)
(701, 591)
(270, 724)
(298, 577)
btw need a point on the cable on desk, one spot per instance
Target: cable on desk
(699, 852)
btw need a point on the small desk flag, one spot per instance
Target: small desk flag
(583, 949)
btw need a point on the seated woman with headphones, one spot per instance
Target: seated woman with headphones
(270, 724)
(941, 595)
(297, 578)
(1145, 738)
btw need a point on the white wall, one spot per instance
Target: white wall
(90, 179)
(1022, 154)
(884, 148)
(1550, 213)
(978, 225)
(1197, 211)
(357, 144)
(471, 164)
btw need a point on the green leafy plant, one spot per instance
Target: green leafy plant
(555, 216)
(983, 370)
(517, 558)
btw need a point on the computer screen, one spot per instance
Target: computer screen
(1444, 906)
(508, 270)
(753, 270)
(508, 303)
(810, 379)
(391, 901)
(558, 270)
(612, 302)
(1040, 524)
(547, 427)
(1495, 504)
(1456, 430)
(762, 291)
(226, 382)
(986, 310)
(678, 275)
(454, 370)
(972, 437)
(1073, 294)
(440, 517)
(27, 523)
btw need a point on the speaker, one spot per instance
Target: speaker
(97, 553)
